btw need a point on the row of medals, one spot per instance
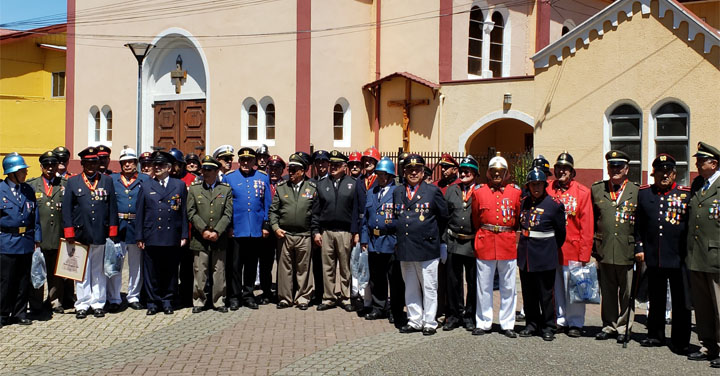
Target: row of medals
(675, 208)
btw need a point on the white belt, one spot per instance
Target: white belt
(541, 234)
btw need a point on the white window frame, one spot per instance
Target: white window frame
(483, 9)
(607, 132)
(52, 89)
(103, 126)
(652, 125)
(347, 123)
(261, 121)
(507, 29)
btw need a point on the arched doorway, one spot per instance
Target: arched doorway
(175, 93)
(504, 131)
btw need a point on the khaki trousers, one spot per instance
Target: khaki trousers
(615, 285)
(202, 261)
(335, 254)
(294, 260)
(706, 300)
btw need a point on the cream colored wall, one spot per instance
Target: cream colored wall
(644, 61)
(423, 118)
(340, 67)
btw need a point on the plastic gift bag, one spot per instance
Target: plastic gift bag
(38, 271)
(360, 267)
(114, 257)
(583, 286)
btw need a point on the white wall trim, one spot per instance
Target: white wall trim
(491, 118)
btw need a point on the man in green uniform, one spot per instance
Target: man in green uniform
(703, 252)
(209, 210)
(49, 189)
(290, 216)
(614, 203)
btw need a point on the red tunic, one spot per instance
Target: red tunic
(578, 219)
(443, 185)
(498, 208)
(188, 179)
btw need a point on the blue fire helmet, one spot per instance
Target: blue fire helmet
(13, 162)
(536, 174)
(386, 165)
(178, 155)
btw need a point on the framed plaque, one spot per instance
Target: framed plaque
(71, 261)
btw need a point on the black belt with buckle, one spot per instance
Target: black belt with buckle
(13, 230)
(496, 229)
(460, 236)
(379, 232)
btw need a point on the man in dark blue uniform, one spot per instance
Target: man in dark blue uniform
(422, 214)
(321, 161)
(19, 235)
(161, 230)
(251, 202)
(660, 241)
(89, 212)
(127, 187)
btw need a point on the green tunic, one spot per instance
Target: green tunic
(291, 210)
(703, 253)
(614, 224)
(50, 210)
(209, 209)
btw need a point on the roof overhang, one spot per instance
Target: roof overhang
(15, 36)
(372, 86)
(610, 13)
(52, 47)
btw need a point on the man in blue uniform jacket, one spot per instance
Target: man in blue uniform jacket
(378, 235)
(251, 201)
(422, 215)
(19, 234)
(127, 187)
(160, 230)
(89, 214)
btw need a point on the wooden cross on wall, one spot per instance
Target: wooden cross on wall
(178, 75)
(406, 104)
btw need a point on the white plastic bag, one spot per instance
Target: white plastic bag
(114, 257)
(583, 286)
(38, 271)
(360, 267)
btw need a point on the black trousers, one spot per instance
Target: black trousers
(537, 293)
(14, 285)
(657, 293)
(187, 276)
(244, 268)
(442, 291)
(266, 260)
(160, 275)
(380, 264)
(397, 293)
(459, 309)
(316, 263)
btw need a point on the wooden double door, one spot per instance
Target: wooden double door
(180, 124)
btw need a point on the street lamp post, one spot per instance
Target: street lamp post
(140, 51)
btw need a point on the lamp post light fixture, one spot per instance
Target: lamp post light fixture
(140, 51)
(507, 99)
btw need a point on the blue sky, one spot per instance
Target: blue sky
(51, 11)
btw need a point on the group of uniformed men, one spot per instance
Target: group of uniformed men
(214, 228)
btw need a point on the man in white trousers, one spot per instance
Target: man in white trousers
(495, 211)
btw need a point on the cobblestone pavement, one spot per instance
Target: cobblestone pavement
(291, 342)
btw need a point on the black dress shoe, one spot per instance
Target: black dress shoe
(509, 333)
(24, 321)
(651, 342)
(715, 363)
(282, 305)
(168, 311)
(151, 311)
(621, 338)
(374, 315)
(519, 316)
(348, 307)
(698, 355)
(221, 309)
(429, 331)
(603, 336)
(469, 326)
(58, 310)
(527, 332)
(574, 332)
(113, 307)
(302, 306)
(478, 332)
(135, 305)
(197, 309)
(450, 325)
(81, 314)
(409, 329)
(264, 301)
(251, 305)
(234, 306)
(99, 313)
(548, 336)
(325, 307)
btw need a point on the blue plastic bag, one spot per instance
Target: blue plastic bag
(583, 286)
(114, 257)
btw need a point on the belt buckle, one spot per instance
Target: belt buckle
(21, 230)
(376, 232)
(496, 229)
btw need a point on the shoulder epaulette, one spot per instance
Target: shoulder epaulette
(683, 188)
(636, 184)
(312, 184)
(32, 180)
(599, 182)
(224, 183)
(478, 186)
(516, 186)
(645, 186)
(196, 182)
(261, 171)
(282, 183)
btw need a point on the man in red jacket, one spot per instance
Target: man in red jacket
(495, 210)
(578, 241)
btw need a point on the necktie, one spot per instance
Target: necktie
(381, 194)
(706, 186)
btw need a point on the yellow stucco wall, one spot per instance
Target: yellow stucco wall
(641, 61)
(31, 120)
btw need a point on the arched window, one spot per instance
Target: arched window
(341, 123)
(475, 39)
(672, 137)
(252, 123)
(100, 126)
(496, 44)
(626, 135)
(95, 113)
(565, 30)
(108, 125)
(270, 121)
